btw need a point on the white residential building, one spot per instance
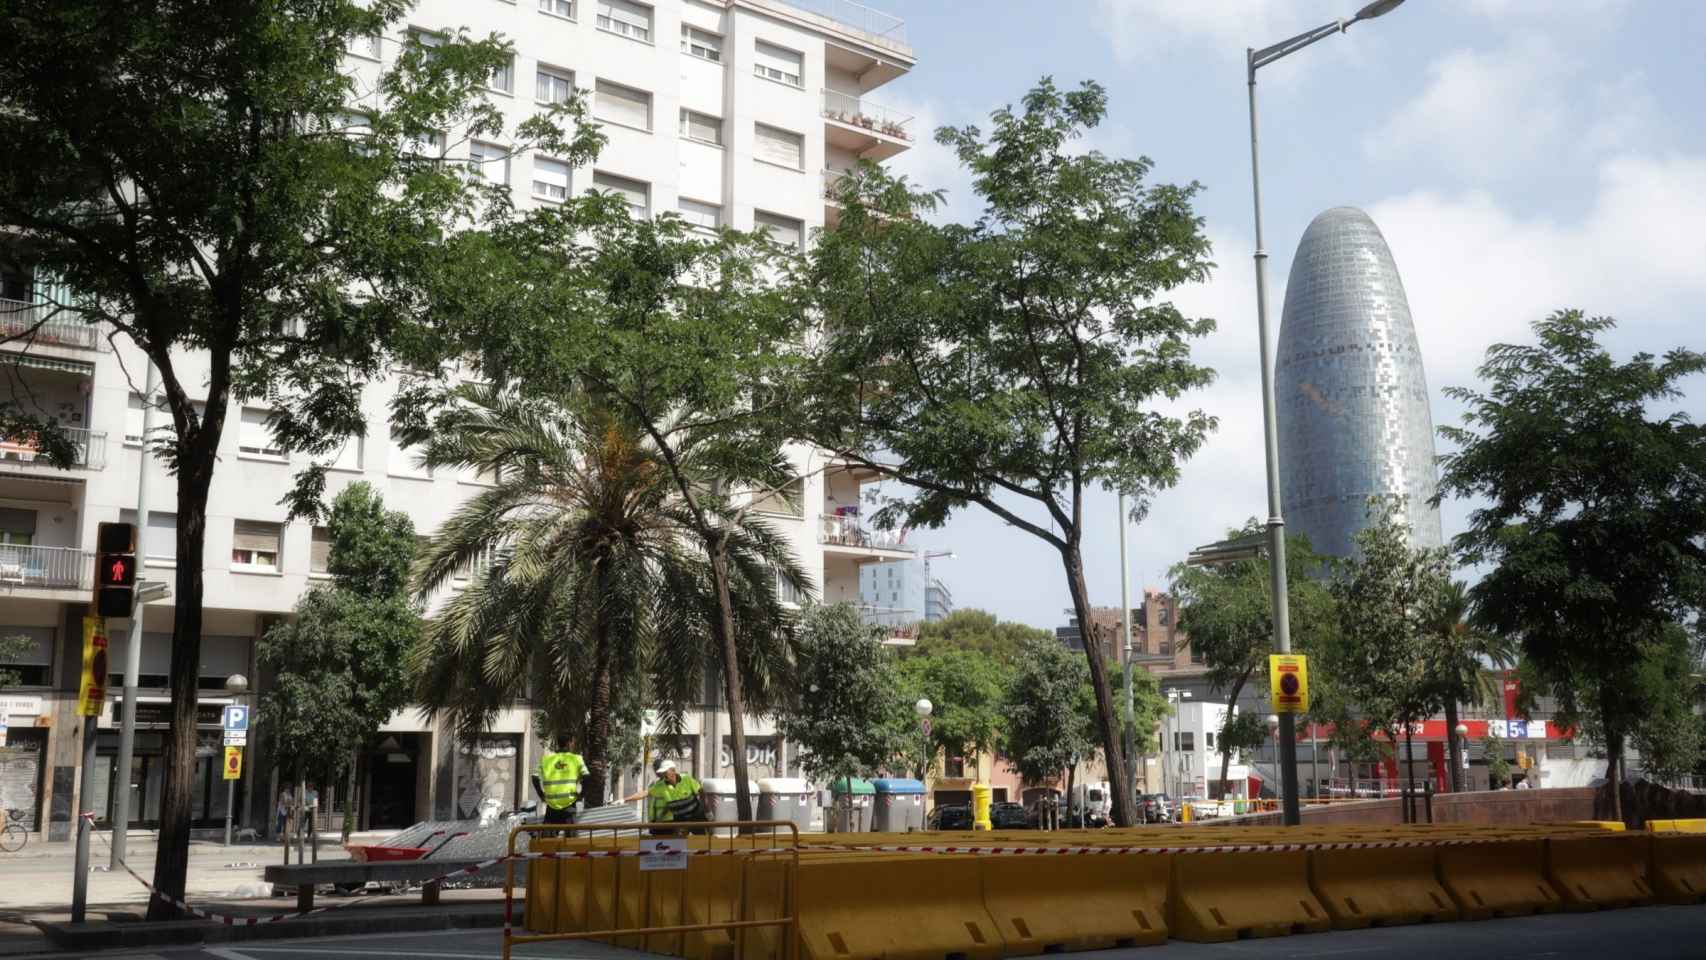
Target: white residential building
(731, 112)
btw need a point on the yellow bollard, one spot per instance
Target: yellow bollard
(1184, 813)
(980, 797)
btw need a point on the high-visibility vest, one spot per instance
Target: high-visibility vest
(675, 801)
(560, 778)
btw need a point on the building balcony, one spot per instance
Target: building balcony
(30, 323)
(846, 536)
(52, 568)
(868, 130)
(858, 17)
(89, 450)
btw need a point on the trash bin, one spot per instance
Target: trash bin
(898, 805)
(786, 798)
(720, 805)
(851, 808)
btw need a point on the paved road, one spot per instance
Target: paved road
(1650, 933)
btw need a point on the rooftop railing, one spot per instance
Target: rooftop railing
(856, 15)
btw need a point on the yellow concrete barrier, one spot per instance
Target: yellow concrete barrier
(1600, 871)
(1048, 903)
(1498, 878)
(1379, 886)
(1676, 826)
(540, 913)
(872, 905)
(1679, 867)
(1228, 896)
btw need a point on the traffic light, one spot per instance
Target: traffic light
(115, 569)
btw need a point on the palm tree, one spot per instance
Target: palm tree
(1461, 653)
(583, 577)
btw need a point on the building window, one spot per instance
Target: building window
(550, 179)
(320, 551)
(703, 216)
(133, 420)
(773, 145)
(404, 460)
(698, 43)
(253, 437)
(1208, 739)
(625, 19)
(162, 536)
(784, 230)
(34, 665)
(489, 161)
(427, 40)
(364, 47)
(254, 546)
(1184, 740)
(431, 144)
(779, 64)
(503, 78)
(553, 86)
(614, 103)
(558, 8)
(702, 127)
(634, 193)
(790, 501)
(347, 456)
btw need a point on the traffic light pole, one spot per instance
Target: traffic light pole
(85, 827)
(133, 646)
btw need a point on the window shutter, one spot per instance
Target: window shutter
(629, 19)
(633, 192)
(779, 146)
(251, 535)
(619, 104)
(550, 179)
(784, 231)
(320, 551)
(777, 63)
(706, 215)
(703, 127)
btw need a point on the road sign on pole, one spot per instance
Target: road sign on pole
(236, 719)
(1289, 674)
(233, 763)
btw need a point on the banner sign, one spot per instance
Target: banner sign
(233, 763)
(93, 691)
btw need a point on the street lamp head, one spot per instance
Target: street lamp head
(1379, 8)
(1273, 719)
(1461, 730)
(923, 707)
(236, 683)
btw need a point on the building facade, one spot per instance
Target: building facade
(1354, 420)
(899, 594)
(730, 112)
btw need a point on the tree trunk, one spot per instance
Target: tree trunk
(349, 793)
(1454, 756)
(1072, 559)
(172, 851)
(1071, 779)
(1225, 750)
(725, 626)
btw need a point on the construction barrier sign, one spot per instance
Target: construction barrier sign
(92, 694)
(233, 763)
(1288, 674)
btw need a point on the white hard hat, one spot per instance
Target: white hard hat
(665, 765)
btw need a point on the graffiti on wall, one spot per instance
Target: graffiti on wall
(486, 770)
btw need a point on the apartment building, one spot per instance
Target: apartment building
(730, 112)
(898, 595)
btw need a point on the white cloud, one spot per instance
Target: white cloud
(1554, 10)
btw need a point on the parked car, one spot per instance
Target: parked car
(1009, 816)
(1156, 807)
(953, 816)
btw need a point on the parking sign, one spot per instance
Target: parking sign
(236, 718)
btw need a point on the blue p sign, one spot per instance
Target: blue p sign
(236, 719)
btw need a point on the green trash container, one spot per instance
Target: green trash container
(852, 806)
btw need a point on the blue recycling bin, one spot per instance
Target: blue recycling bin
(899, 805)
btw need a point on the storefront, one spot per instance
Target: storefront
(148, 768)
(23, 752)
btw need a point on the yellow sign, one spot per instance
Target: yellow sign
(233, 763)
(1288, 676)
(93, 691)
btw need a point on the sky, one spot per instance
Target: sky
(1520, 156)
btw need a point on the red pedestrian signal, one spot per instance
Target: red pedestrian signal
(115, 569)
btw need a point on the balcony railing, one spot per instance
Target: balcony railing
(18, 319)
(55, 567)
(89, 449)
(856, 15)
(854, 111)
(846, 532)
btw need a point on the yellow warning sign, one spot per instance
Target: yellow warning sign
(93, 689)
(1288, 675)
(233, 763)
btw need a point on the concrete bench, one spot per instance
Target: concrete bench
(305, 876)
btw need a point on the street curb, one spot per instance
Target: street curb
(103, 935)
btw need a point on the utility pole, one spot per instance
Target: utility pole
(1130, 784)
(133, 646)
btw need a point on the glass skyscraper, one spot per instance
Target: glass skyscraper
(1352, 397)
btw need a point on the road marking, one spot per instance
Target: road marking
(226, 953)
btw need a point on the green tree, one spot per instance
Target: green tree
(1386, 597)
(1498, 767)
(685, 336)
(1050, 711)
(1457, 653)
(1593, 517)
(1018, 362)
(584, 576)
(967, 692)
(1226, 611)
(218, 191)
(336, 669)
(846, 694)
(980, 631)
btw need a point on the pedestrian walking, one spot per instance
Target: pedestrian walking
(558, 782)
(282, 809)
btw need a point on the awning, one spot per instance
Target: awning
(35, 362)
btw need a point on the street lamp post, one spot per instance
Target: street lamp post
(1130, 784)
(1255, 59)
(236, 685)
(1460, 742)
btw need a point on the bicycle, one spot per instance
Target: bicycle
(13, 836)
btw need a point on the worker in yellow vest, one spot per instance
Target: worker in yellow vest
(674, 798)
(558, 782)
